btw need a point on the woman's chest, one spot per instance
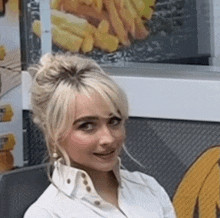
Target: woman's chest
(132, 204)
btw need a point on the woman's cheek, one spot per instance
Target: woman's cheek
(123, 133)
(83, 138)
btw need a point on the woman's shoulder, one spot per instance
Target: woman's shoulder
(41, 207)
(146, 184)
(140, 178)
(35, 211)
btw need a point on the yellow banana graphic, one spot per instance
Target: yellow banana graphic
(208, 197)
(200, 186)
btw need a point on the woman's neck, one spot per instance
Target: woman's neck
(105, 183)
(106, 186)
(103, 180)
(100, 179)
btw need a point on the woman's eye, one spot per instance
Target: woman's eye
(87, 126)
(115, 121)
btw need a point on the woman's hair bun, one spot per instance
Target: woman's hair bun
(45, 63)
(46, 60)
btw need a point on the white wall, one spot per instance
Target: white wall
(163, 91)
(215, 32)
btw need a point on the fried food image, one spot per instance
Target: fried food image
(2, 52)
(7, 142)
(1, 6)
(6, 113)
(81, 25)
(6, 161)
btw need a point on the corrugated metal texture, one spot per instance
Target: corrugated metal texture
(166, 148)
(35, 151)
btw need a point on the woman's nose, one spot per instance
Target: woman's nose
(106, 136)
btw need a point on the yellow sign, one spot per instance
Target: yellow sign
(7, 142)
(6, 161)
(6, 113)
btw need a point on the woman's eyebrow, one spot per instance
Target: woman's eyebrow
(87, 118)
(90, 118)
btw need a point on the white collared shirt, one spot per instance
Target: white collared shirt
(139, 196)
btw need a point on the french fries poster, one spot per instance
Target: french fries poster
(10, 58)
(11, 145)
(111, 31)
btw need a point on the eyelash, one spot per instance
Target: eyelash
(119, 120)
(85, 126)
(90, 126)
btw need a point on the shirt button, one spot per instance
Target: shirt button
(68, 181)
(83, 175)
(85, 182)
(88, 189)
(97, 203)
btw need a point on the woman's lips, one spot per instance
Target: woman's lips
(106, 154)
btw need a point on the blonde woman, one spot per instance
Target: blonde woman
(82, 113)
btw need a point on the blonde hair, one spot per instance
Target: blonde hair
(56, 81)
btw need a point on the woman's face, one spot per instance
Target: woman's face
(96, 137)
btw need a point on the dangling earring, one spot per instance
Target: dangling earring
(55, 155)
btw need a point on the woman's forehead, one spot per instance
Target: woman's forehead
(90, 106)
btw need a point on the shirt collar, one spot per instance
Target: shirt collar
(76, 182)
